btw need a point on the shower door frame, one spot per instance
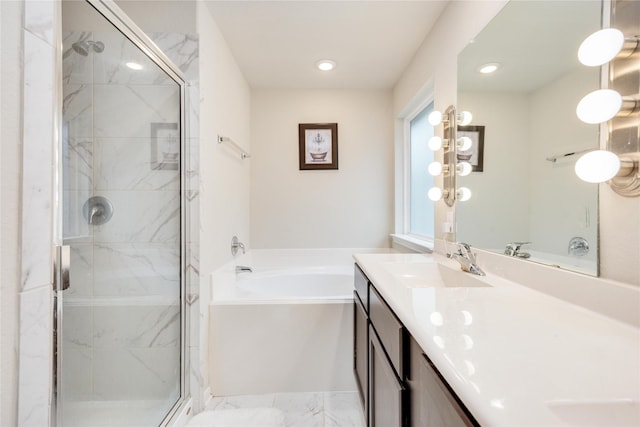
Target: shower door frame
(116, 16)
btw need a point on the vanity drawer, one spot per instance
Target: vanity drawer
(361, 284)
(389, 329)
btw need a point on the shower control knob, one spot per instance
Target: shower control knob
(97, 210)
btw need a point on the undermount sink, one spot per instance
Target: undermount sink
(620, 413)
(432, 275)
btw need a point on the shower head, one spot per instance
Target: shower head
(84, 47)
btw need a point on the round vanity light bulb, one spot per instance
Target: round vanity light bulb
(464, 143)
(463, 194)
(464, 118)
(599, 106)
(435, 118)
(464, 168)
(434, 194)
(435, 143)
(601, 47)
(597, 166)
(435, 168)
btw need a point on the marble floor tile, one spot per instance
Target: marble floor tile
(301, 409)
(342, 409)
(328, 409)
(245, 401)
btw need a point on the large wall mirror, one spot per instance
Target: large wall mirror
(527, 190)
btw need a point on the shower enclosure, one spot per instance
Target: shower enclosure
(120, 313)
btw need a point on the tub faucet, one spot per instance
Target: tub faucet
(235, 245)
(243, 269)
(578, 246)
(466, 258)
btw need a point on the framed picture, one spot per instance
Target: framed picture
(318, 145)
(165, 146)
(475, 154)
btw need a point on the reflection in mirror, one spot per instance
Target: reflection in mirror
(527, 191)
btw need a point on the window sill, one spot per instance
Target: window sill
(414, 243)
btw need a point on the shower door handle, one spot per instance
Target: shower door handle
(62, 267)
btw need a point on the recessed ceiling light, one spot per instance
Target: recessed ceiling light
(134, 66)
(325, 65)
(489, 68)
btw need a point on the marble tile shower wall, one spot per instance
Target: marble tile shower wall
(109, 116)
(35, 349)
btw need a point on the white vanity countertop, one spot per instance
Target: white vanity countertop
(513, 355)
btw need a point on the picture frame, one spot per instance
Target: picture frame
(318, 146)
(165, 146)
(474, 155)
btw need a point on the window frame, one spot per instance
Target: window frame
(403, 235)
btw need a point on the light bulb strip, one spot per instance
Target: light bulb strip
(620, 170)
(450, 134)
(450, 167)
(628, 167)
(630, 106)
(630, 47)
(627, 180)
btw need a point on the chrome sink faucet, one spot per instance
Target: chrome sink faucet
(466, 258)
(513, 249)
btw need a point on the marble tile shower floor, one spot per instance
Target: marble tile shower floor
(114, 413)
(328, 409)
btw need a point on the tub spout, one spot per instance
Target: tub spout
(243, 269)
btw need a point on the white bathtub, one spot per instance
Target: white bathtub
(285, 327)
(291, 275)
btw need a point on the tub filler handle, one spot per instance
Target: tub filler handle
(235, 245)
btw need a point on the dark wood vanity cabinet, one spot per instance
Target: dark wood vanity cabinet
(386, 391)
(398, 384)
(361, 350)
(378, 357)
(431, 401)
(361, 338)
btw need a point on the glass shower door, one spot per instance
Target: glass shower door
(120, 340)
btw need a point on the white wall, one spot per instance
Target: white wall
(10, 115)
(224, 110)
(224, 177)
(348, 207)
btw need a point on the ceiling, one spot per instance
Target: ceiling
(277, 43)
(535, 42)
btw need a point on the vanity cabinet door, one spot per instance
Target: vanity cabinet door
(386, 392)
(360, 351)
(432, 402)
(361, 284)
(389, 329)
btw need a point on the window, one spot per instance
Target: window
(415, 220)
(421, 215)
